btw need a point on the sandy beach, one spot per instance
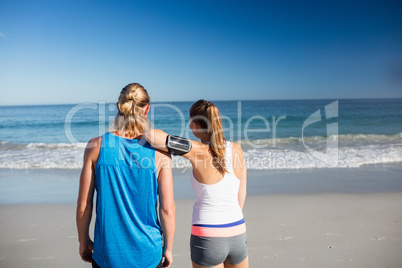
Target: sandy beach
(308, 227)
(310, 92)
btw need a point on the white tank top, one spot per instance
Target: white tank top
(218, 203)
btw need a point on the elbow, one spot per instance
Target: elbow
(168, 213)
(83, 207)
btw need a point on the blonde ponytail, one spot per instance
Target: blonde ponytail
(130, 120)
(206, 115)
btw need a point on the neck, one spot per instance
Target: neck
(204, 140)
(121, 134)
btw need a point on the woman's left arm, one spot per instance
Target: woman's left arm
(85, 199)
(239, 166)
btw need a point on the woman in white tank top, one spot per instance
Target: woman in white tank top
(219, 179)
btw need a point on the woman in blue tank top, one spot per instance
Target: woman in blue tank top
(127, 174)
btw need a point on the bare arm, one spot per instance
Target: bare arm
(167, 205)
(157, 138)
(243, 189)
(85, 199)
(239, 166)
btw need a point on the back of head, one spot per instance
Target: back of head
(131, 120)
(206, 115)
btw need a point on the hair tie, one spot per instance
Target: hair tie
(132, 106)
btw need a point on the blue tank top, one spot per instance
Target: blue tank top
(127, 229)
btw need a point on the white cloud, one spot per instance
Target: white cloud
(2, 34)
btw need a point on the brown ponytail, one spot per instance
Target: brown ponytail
(130, 120)
(206, 115)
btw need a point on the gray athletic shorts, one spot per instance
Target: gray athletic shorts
(211, 251)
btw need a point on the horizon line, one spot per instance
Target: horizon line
(307, 99)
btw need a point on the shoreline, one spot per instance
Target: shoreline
(60, 186)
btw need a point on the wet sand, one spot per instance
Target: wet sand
(316, 218)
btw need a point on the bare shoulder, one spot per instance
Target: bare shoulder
(235, 144)
(238, 161)
(199, 146)
(93, 147)
(236, 147)
(95, 142)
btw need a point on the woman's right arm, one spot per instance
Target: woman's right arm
(239, 166)
(167, 205)
(85, 199)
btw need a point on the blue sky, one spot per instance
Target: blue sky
(57, 51)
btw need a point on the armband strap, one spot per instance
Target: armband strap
(177, 145)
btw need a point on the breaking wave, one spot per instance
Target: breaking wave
(353, 150)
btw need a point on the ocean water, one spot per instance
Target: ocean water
(274, 134)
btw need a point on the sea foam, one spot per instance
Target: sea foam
(353, 150)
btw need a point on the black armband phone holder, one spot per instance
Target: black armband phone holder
(177, 145)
